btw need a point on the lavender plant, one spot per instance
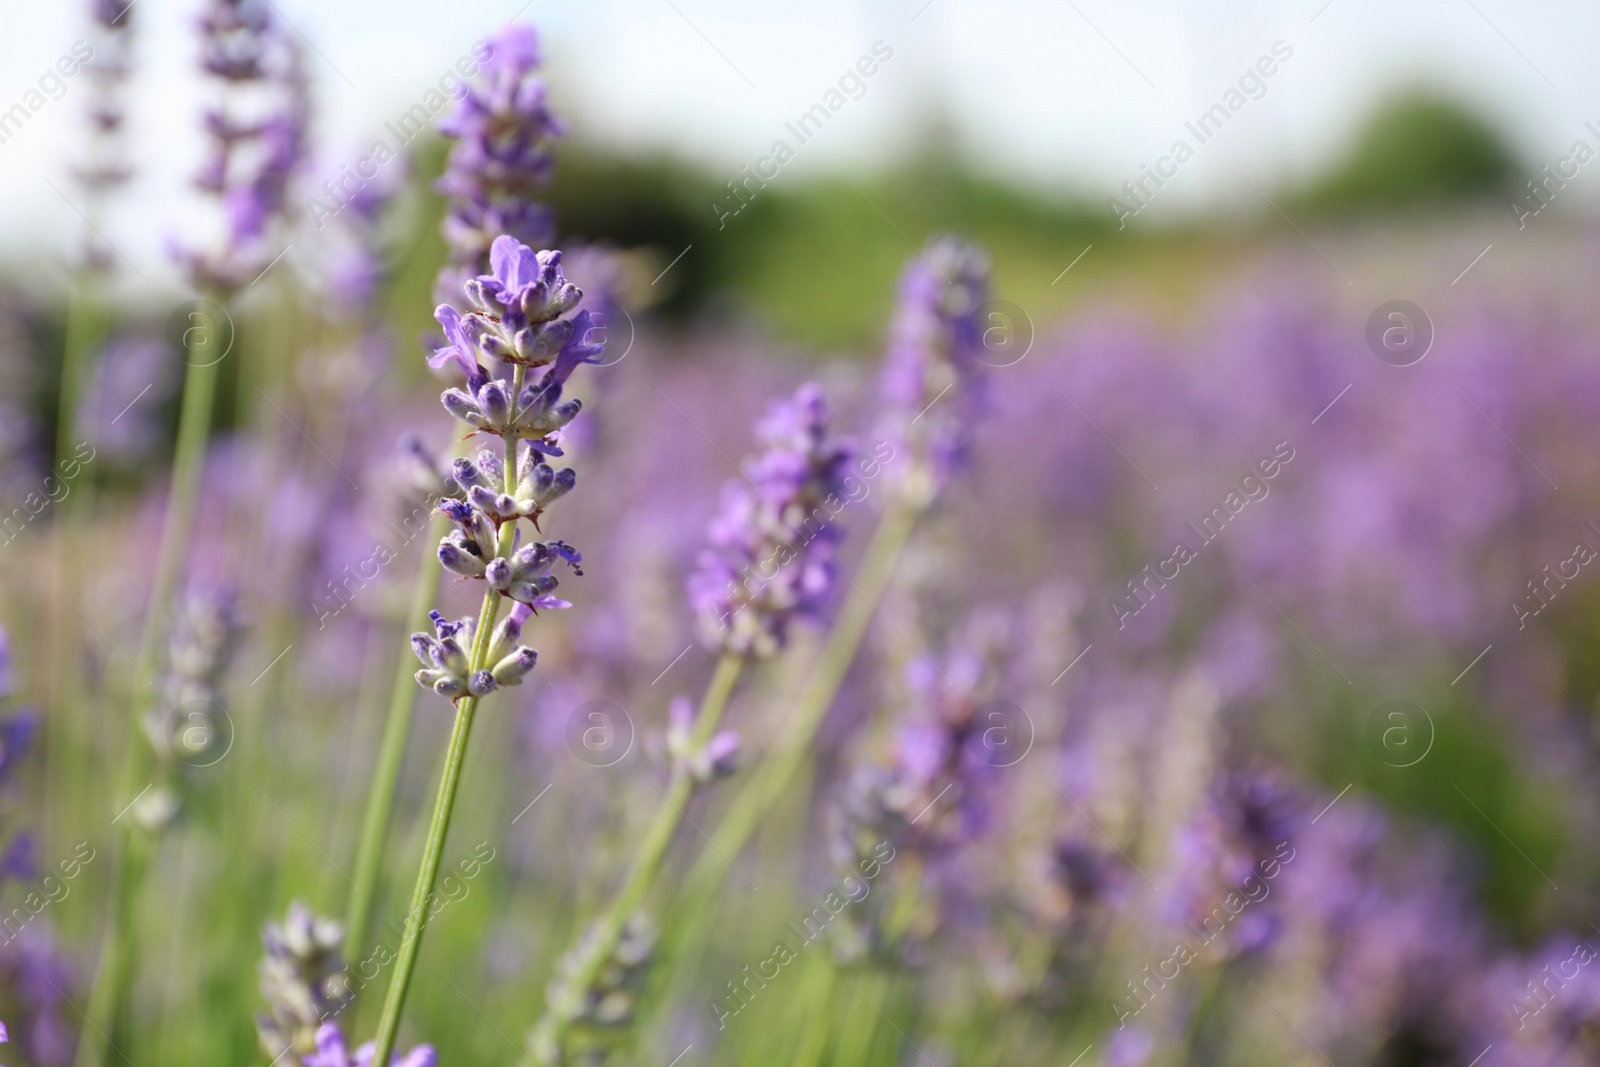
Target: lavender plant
(104, 169)
(516, 323)
(256, 142)
(934, 342)
(781, 517)
(499, 158)
(303, 981)
(501, 130)
(186, 724)
(928, 795)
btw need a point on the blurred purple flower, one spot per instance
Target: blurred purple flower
(501, 130)
(781, 519)
(331, 1051)
(252, 157)
(931, 386)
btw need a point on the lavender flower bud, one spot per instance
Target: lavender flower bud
(495, 405)
(444, 658)
(509, 632)
(458, 510)
(509, 670)
(462, 407)
(609, 999)
(460, 556)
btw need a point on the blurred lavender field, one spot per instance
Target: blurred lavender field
(967, 631)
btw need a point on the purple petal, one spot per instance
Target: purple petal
(578, 350)
(460, 350)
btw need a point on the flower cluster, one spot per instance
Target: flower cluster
(502, 131)
(603, 1004)
(928, 796)
(934, 344)
(332, 1051)
(188, 723)
(516, 320)
(516, 323)
(772, 545)
(449, 672)
(303, 981)
(257, 136)
(1249, 822)
(105, 166)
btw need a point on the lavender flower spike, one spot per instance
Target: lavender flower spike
(518, 325)
(772, 546)
(303, 981)
(254, 151)
(930, 380)
(502, 132)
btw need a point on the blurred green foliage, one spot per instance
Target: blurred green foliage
(1417, 149)
(814, 260)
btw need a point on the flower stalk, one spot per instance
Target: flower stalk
(571, 1000)
(391, 754)
(515, 321)
(128, 860)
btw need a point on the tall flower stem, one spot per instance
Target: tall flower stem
(391, 754)
(449, 784)
(552, 1029)
(112, 970)
(766, 783)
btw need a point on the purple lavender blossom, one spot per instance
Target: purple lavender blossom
(121, 407)
(517, 326)
(303, 981)
(255, 148)
(105, 165)
(1221, 856)
(501, 156)
(331, 1051)
(780, 520)
(929, 795)
(36, 978)
(931, 387)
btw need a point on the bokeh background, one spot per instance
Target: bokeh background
(1378, 660)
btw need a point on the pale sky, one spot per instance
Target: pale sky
(1065, 94)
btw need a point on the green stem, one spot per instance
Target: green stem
(391, 754)
(551, 1031)
(66, 726)
(111, 974)
(455, 757)
(765, 785)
